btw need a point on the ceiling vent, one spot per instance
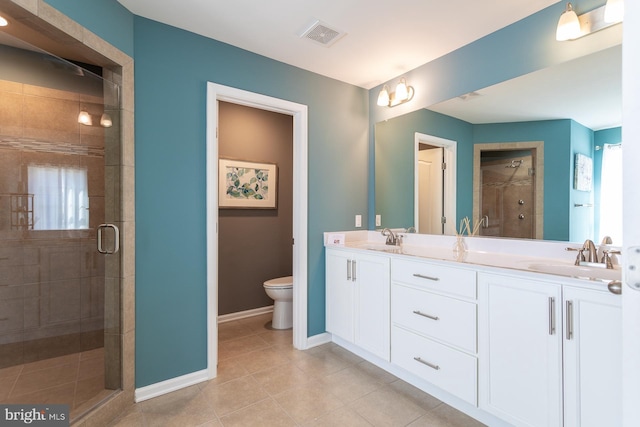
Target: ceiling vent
(322, 34)
(469, 96)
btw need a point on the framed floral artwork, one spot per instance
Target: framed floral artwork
(247, 185)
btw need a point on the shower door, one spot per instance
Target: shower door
(59, 182)
(507, 194)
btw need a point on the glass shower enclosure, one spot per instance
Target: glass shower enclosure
(60, 287)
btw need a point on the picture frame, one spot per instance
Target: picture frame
(583, 173)
(247, 185)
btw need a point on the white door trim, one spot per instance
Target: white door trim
(450, 156)
(215, 93)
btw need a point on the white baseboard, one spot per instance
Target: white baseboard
(319, 339)
(173, 384)
(244, 314)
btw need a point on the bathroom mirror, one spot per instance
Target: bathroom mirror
(574, 107)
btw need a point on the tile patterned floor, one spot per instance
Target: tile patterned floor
(76, 379)
(263, 381)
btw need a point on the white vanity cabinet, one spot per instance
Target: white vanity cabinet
(520, 350)
(357, 308)
(550, 354)
(592, 358)
(433, 317)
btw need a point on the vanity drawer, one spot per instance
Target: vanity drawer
(451, 280)
(444, 367)
(443, 318)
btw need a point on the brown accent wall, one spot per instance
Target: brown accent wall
(255, 244)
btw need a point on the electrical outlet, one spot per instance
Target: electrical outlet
(358, 221)
(378, 220)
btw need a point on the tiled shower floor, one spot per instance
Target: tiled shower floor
(263, 381)
(76, 379)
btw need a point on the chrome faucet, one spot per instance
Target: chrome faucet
(589, 251)
(392, 239)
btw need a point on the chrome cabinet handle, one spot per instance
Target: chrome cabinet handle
(419, 313)
(569, 320)
(552, 316)
(615, 287)
(353, 270)
(349, 269)
(421, 276)
(424, 362)
(116, 243)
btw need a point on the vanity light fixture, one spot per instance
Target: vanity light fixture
(403, 93)
(105, 120)
(571, 26)
(84, 118)
(3, 21)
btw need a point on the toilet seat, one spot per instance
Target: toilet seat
(279, 283)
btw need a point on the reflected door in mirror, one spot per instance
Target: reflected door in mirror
(430, 189)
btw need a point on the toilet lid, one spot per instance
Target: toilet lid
(280, 282)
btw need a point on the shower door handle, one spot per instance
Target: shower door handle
(116, 242)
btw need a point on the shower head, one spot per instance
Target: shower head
(514, 164)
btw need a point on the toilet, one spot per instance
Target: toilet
(280, 290)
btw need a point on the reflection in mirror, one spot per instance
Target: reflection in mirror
(508, 189)
(573, 107)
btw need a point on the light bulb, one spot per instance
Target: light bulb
(383, 97)
(568, 25)
(3, 22)
(105, 120)
(84, 118)
(614, 11)
(402, 93)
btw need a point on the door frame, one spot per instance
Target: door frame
(215, 93)
(450, 158)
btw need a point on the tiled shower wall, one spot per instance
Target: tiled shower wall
(52, 283)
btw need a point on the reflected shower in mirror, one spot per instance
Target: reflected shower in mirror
(572, 108)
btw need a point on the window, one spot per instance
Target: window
(60, 198)
(611, 193)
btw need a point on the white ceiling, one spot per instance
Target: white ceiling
(383, 39)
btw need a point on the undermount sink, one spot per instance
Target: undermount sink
(381, 247)
(577, 270)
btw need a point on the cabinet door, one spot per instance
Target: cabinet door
(340, 292)
(520, 350)
(593, 358)
(372, 323)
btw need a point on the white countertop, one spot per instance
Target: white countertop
(532, 256)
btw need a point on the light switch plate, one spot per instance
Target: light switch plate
(358, 221)
(378, 220)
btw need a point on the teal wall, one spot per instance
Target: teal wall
(106, 18)
(395, 160)
(172, 71)
(582, 225)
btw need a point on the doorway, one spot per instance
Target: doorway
(217, 93)
(435, 184)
